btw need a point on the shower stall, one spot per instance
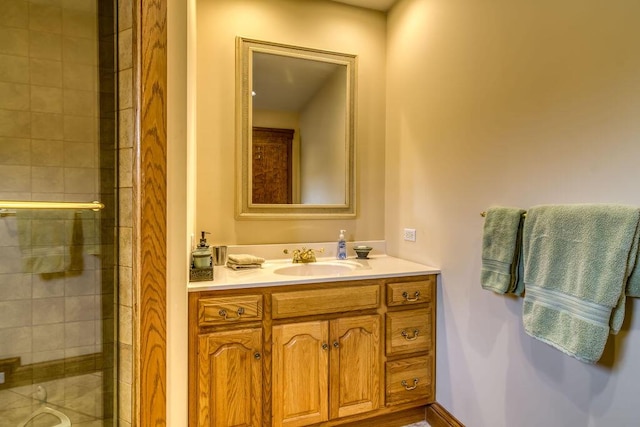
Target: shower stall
(58, 213)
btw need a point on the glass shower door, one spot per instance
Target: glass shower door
(58, 281)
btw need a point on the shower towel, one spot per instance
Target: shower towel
(577, 261)
(501, 250)
(50, 241)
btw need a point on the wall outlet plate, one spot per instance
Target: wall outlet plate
(410, 234)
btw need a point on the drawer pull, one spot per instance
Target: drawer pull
(223, 314)
(416, 296)
(408, 387)
(325, 346)
(407, 337)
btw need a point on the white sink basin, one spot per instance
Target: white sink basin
(316, 269)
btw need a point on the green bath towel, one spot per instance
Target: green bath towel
(501, 250)
(577, 260)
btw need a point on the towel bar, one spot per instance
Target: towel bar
(14, 204)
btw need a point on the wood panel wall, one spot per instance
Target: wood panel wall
(149, 168)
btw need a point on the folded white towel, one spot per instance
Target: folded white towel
(243, 266)
(244, 259)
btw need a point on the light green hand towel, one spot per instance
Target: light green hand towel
(576, 265)
(501, 250)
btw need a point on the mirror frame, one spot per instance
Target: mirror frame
(245, 208)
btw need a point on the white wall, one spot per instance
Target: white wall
(511, 103)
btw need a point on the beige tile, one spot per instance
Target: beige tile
(125, 247)
(79, 128)
(126, 207)
(45, 72)
(43, 17)
(80, 102)
(15, 151)
(57, 3)
(47, 152)
(45, 356)
(15, 286)
(125, 128)
(125, 322)
(46, 99)
(79, 308)
(125, 49)
(45, 45)
(14, 314)
(15, 124)
(15, 341)
(15, 13)
(83, 5)
(49, 337)
(79, 180)
(125, 162)
(46, 126)
(79, 23)
(125, 14)
(14, 41)
(46, 179)
(14, 96)
(79, 50)
(83, 284)
(125, 85)
(78, 334)
(15, 178)
(125, 286)
(47, 288)
(79, 154)
(79, 76)
(14, 69)
(46, 311)
(125, 365)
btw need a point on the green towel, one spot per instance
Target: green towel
(501, 250)
(577, 261)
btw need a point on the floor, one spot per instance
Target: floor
(420, 424)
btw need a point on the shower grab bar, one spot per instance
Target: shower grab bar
(14, 204)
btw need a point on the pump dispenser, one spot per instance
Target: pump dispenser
(342, 246)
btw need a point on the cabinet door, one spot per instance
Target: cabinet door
(355, 365)
(300, 373)
(230, 379)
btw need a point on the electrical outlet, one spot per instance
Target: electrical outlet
(410, 234)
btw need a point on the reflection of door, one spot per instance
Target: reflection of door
(271, 165)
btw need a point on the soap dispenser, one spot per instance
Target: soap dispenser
(342, 246)
(202, 268)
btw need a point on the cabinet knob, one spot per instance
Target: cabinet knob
(409, 387)
(414, 298)
(257, 356)
(325, 346)
(336, 344)
(223, 313)
(410, 338)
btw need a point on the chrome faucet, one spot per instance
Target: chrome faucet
(304, 255)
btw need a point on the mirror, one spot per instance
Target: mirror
(295, 131)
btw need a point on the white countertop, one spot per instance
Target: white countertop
(375, 267)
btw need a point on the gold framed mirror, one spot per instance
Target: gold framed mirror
(295, 131)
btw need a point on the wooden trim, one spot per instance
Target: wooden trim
(437, 416)
(150, 200)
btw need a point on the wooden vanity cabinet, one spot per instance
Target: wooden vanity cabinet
(313, 354)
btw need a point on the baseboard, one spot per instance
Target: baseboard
(437, 416)
(19, 375)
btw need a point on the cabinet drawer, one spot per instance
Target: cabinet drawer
(409, 379)
(225, 310)
(324, 301)
(408, 331)
(407, 293)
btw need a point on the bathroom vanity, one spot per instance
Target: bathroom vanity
(269, 349)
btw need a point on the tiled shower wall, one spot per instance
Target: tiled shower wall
(49, 150)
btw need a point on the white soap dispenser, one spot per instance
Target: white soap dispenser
(342, 246)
